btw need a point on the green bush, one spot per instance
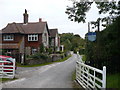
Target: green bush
(75, 51)
(82, 51)
(42, 48)
(2, 52)
(59, 52)
(49, 50)
(39, 56)
(84, 58)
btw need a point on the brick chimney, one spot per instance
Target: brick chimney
(40, 19)
(25, 17)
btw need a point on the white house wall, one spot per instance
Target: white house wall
(56, 40)
(45, 39)
(57, 43)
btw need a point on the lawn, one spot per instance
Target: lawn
(113, 81)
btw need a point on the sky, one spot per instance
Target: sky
(52, 11)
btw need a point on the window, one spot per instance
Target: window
(34, 50)
(33, 37)
(8, 37)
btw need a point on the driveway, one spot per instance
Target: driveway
(56, 75)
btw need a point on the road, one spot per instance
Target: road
(56, 75)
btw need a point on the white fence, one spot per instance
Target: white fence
(7, 71)
(90, 77)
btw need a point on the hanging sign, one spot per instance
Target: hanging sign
(91, 36)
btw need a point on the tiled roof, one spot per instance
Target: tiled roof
(30, 28)
(53, 32)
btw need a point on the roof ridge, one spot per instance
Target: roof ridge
(22, 28)
(16, 26)
(33, 22)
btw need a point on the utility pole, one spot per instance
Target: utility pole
(88, 27)
(98, 43)
(98, 24)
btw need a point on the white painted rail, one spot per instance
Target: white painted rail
(5, 72)
(90, 77)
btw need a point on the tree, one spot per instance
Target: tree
(106, 51)
(79, 9)
(77, 13)
(65, 40)
(42, 48)
(71, 41)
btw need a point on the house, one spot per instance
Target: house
(55, 40)
(24, 38)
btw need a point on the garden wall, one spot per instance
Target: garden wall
(52, 58)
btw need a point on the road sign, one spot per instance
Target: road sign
(91, 36)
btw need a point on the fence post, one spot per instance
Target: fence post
(2, 69)
(76, 70)
(104, 77)
(94, 79)
(13, 68)
(87, 78)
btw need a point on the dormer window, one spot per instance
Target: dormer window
(33, 37)
(8, 37)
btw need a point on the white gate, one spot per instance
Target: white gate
(7, 71)
(90, 77)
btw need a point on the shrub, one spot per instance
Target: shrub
(84, 58)
(50, 50)
(59, 52)
(2, 52)
(75, 51)
(42, 48)
(39, 56)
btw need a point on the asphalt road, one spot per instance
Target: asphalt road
(57, 75)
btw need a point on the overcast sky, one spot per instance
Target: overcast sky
(52, 11)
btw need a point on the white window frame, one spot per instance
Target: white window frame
(8, 37)
(33, 37)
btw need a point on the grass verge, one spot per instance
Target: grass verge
(61, 60)
(74, 75)
(113, 80)
(7, 79)
(75, 84)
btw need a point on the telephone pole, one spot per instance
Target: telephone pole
(88, 27)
